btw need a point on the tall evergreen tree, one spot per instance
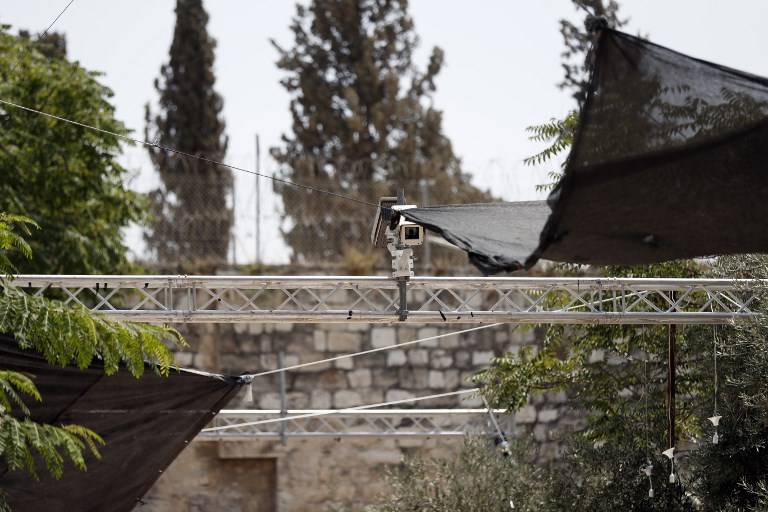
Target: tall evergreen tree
(192, 216)
(363, 123)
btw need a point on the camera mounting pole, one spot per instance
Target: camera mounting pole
(402, 260)
(399, 236)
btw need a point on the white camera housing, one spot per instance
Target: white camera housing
(409, 233)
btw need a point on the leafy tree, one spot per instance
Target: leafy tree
(192, 218)
(65, 335)
(577, 42)
(64, 177)
(479, 478)
(363, 123)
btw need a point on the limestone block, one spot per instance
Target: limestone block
(441, 359)
(427, 332)
(548, 415)
(436, 379)
(451, 342)
(344, 341)
(559, 397)
(344, 364)
(269, 401)
(526, 414)
(396, 358)
(482, 358)
(397, 394)
(320, 340)
(540, 433)
(384, 378)
(296, 400)
(462, 359)
(359, 378)
(414, 378)
(471, 400)
(383, 337)
(241, 328)
(451, 379)
(290, 360)
(347, 398)
(255, 329)
(378, 360)
(371, 395)
(320, 399)
(382, 456)
(283, 327)
(418, 357)
(332, 379)
(268, 361)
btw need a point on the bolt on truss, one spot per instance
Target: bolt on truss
(363, 423)
(328, 299)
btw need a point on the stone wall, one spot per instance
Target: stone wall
(326, 474)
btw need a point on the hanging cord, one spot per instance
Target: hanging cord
(714, 342)
(190, 155)
(505, 448)
(648, 469)
(340, 411)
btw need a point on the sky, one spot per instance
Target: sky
(502, 66)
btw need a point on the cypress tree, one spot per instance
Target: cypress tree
(363, 123)
(192, 217)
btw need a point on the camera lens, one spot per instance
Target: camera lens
(411, 233)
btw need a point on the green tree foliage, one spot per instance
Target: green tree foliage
(558, 134)
(192, 218)
(65, 335)
(63, 177)
(577, 42)
(363, 123)
(478, 479)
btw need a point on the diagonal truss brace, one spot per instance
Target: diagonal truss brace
(364, 423)
(329, 299)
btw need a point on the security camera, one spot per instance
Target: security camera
(409, 233)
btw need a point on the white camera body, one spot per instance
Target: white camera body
(400, 238)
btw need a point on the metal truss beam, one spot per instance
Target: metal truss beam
(363, 423)
(466, 300)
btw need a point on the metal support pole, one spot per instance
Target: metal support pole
(283, 404)
(402, 288)
(258, 201)
(427, 245)
(671, 371)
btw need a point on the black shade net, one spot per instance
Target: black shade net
(145, 422)
(670, 161)
(496, 236)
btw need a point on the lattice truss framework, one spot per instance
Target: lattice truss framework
(363, 423)
(228, 299)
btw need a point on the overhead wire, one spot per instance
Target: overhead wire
(189, 155)
(340, 411)
(45, 32)
(370, 351)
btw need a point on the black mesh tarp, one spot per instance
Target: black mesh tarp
(145, 422)
(670, 161)
(497, 236)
